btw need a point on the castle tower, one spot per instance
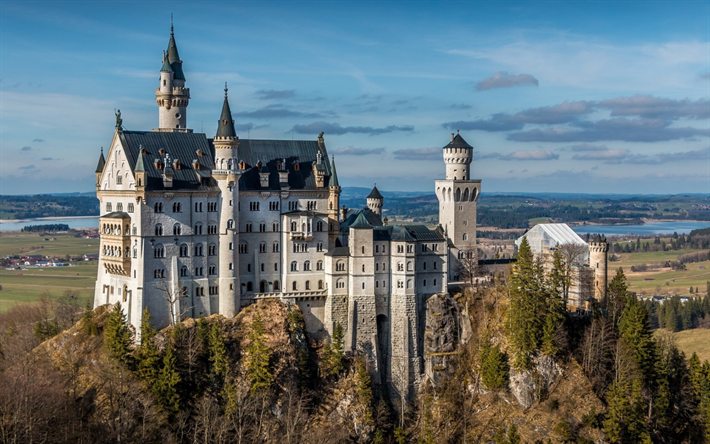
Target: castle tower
(375, 201)
(457, 196)
(171, 95)
(226, 174)
(598, 249)
(333, 203)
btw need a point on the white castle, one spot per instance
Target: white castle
(195, 226)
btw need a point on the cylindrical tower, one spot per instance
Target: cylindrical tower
(458, 156)
(375, 201)
(171, 95)
(598, 249)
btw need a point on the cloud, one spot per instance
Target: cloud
(460, 106)
(350, 151)
(608, 155)
(565, 112)
(620, 128)
(247, 126)
(38, 140)
(584, 147)
(279, 112)
(271, 94)
(531, 155)
(26, 148)
(502, 79)
(624, 156)
(335, 128)
(657, 107)
(477, 155)
(418, 154)
(28, 169)
(49, 158)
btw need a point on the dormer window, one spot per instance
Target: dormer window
(296, 166)
(278, 166)
(199, 152)
(196, 164)
(162, 151)
(176, 164)
(242, 165)
(158, 164)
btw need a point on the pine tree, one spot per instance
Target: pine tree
(494, 367)
(615, 424)
(617, 294)
(218, 353)
(117, 336)
(635, 331)
(166, 384)
(333, 356)
(636, 423)
(548, 346)
(364, 388)
(148, 355)
(88, 324)
(258, 372)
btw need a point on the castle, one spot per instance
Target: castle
(193, 225)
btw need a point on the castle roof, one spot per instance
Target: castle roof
(225, 126)
(375, 193)
(166, 65)
(458, 142)
(333, 174)
(338, 251)
(140, 164)
(102, 162)
(408, 233)
(174, 57)
(372, 218)
(360, 222)
(546, 236)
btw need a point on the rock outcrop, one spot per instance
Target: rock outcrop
(447, 329)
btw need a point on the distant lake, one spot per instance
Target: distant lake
(655, 227)
(73, 222)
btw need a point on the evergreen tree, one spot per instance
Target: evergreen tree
(617, 294)
(635, 331)
(548, 346)
(148, 355)
(258, 372)
(333, 355)
(494, 367)
(364, 388)
(88, 324)
(117, 336)
(636, 423)
(166, 384)
(218, 353)
(615, 424)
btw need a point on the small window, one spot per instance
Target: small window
(109, 208)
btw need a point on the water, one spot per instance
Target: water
(653, 227)
(73, 222)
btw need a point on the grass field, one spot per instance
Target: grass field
(696, 340)
(28, 284)
(664, 280)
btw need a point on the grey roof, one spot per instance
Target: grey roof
(181, 146)
(408, 233)
(375, 193)
(333, 174)
(401, 234)
(174, 57)
(102, 162)
(338, 251)
(166, 65)
(117, 215)
(458, 142)
(372, 218)
(273, 152)
(361, 222)
(140, 164)
(225, 125)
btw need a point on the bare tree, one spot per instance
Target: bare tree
(173, 295)
(573, 256)
(467, 267)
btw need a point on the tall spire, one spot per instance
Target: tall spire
(225, 126)
(102, 162)
(173, 56)
(333, 174)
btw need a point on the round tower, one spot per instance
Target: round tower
(598, 249)
(171, 95)
(458, 156)
(375, 201)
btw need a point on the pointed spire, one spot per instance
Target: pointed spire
(166, 65)
(333, 174)
(174, 57)
(140, 166)
(225, 126)
(102, 162)
(375, 193)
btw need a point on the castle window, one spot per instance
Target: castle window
(377, 284)
(377, 267)
(424, 265)
(212, 270)
(400, 284)
(159, 273)
(183, 271)
(230, 224)
(410, 248)
(253, 206)
(158, 207)
(198, 250)
(158, 230)
(433, 264)
(409, 266)
(377, 248)
(400, 266)
(340, 266)
(119, 179)
(465, 223)
(319, 226)
(231, 246)
(262, 227)
(363, 268)
(424, 283)
(340, 284)
(248, 268)
(212, 250)
(109, 208)
(273, 206)
(211, 207)
(294, 266)
(275, 227)
(248, 228)
(212, 229)
(119, 207)
(308, 285)
(319, 246)
(276, 285)
(198, 207)
(275, 247)
(293, 206)
(159, 251)
(177, 207)
(250, 286)
(199, 291)
(384, 266)
(319, 265)
(307, 266)
(243, 247)
(434, 282)
(400, 248)
(231, 266)
(177, 230)
(363, 285)
(276, 266)
(435, 247)
(383, 249)
(363, 249)
(130, 207)
(465, 236)
(262, 267)
(183, 250)
(198, 228)
(320, 285)
(262, 247)
(294, 285)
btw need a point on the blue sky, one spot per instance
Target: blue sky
(585, 96)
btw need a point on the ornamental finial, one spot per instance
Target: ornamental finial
(225, 90)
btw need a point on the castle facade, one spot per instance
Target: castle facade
(193, 225)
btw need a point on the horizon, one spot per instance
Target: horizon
(602, 96)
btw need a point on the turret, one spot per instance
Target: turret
(598, 253)
(375, 201)
(100, 168)
(458, 156)
(171, 95)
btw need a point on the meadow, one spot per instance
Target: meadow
(696, 340)
(30, 283)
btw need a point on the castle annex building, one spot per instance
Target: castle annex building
(194, 225)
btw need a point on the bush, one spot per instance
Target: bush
(565, 431)
(553, 404)
(591, 419)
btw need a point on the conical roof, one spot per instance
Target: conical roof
(333, 174)
(361, 222)
(139, 163)
(399, 233)
(102, 162)
(225, 126)
(166, 65)
(174, 57)
(375, 193)
(458, 142)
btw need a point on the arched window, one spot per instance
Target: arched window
(363, 268)
(363, 285)
(230, 224)
(409, 283)
(184, 250)
(212, 250)
(248, 228)
(275, 247)
(158, 230)
(262, 247)
(135, 230)
(340, 266)
(294, 266)
(409, 266)
(319, 226)
(320, 285)
(308, 285)
(340, 284)
(294, 286)
(293, 226)
(159, 251)
(377, 267)
(177, 230)
(465, 236)
(183, 271)
(276, 285)
(198, 250)
(177, 207)
(319, 265)
(377, 284)
(198, 228)
(377, 248)
(158, 207)
(307, 266)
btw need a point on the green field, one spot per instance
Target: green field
(28, 284)
(696, 340)
(669, 281)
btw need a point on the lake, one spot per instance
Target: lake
(653, 227)
(73, 222)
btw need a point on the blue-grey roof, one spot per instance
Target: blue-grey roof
(102, 162)
(174, 57)
(225, 125)
(408, 233)
(372, 218)
(338, 251)
(333, 174)
(458, 142)
(360, 222)
(375, 193)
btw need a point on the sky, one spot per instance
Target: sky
(555, 96)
